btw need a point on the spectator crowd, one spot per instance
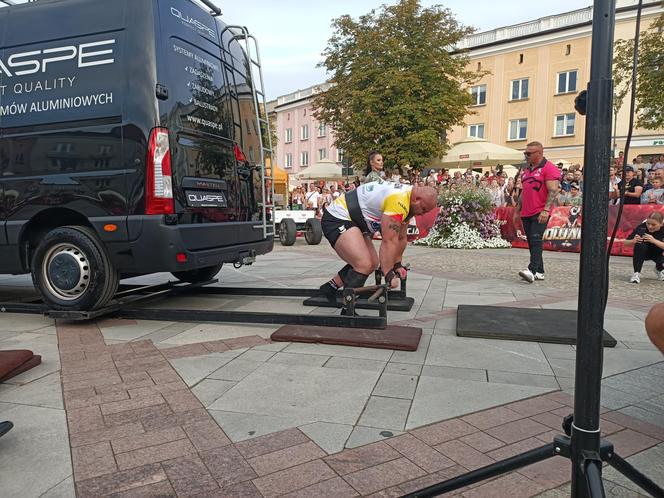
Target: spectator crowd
(644, 184)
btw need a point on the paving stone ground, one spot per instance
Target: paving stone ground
(190, 409)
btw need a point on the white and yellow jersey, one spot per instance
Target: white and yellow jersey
(376, 199)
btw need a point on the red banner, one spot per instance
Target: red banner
(563, 232)
(420, 225)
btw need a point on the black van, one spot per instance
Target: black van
(129, 143)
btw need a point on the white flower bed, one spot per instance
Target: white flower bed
(462, 237)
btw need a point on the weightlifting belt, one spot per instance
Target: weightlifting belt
(355, 212)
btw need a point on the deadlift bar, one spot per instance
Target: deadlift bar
(130, 295)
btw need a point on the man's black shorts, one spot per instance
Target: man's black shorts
(334, 227)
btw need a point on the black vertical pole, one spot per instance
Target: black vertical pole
(592, 281)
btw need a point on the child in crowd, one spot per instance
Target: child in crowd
(648, 242)
(654, 195)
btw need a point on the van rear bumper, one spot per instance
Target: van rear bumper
(153, 246)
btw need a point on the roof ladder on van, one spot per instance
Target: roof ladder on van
(241, 34)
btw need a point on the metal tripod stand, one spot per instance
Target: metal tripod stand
(582, 443)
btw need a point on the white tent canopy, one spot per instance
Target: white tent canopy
(322, 170)
(474, 152)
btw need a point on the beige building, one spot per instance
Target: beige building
(537, 69)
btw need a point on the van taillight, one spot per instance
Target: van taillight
(159, 183)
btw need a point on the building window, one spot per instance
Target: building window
(104, 149)
(479, 66)
(288, 160)
(568, 49)
(304, 132)
(518, 129)
(340, 155)
(479, 94)
(519, 89)
(476, 130)
(567, 82)
(289, 135)
(322, 154)
(520, 58)
(304, 158)
(322, 129)
(565, 124)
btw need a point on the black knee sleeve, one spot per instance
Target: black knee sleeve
(354, 279)
(344, 271)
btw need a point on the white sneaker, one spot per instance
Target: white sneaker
(527, 275)
(636, 278)
(539, 276)
(660, 274)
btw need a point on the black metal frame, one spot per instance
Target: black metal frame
(583, 444)
(125, 301)
(591, 468)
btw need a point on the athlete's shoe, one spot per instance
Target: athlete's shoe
(539, 276)
(527, 275)
(5, 427)
(660, 274)
(328, 290)
(636, 278)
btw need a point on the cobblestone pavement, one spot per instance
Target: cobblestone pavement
(156, 408)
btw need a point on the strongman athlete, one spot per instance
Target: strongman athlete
(351, 220)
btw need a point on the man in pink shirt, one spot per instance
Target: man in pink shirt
(540, 179)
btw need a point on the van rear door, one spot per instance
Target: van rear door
(196, 110)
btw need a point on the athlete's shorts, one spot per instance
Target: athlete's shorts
(334, 227)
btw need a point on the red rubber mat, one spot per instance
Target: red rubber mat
(16, 361)
(391, 337)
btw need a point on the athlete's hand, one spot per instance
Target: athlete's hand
(401, 272)
(648, 238)
(396, 281)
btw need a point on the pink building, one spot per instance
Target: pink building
(302, 140)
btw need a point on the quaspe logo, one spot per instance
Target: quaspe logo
(193, 23)
(206, 198)
(39, 61)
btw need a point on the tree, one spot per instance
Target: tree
(396, 86)
(650, 75)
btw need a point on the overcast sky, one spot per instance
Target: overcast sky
(293, 33)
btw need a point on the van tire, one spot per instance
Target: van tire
(72, 271)
(313, 232)
(198, 275)
(287, 232)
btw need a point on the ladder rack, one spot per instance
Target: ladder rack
(248, 41)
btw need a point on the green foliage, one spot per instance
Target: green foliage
(395, 85)
(650, 75)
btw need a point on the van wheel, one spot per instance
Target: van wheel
(198, 275)
(72, 271)
(313, 232)
(287, 232)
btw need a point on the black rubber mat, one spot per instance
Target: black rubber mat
(395, 304)
(391, 337)
(520, 324)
